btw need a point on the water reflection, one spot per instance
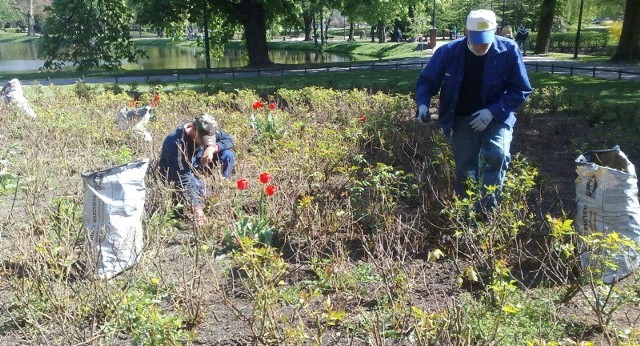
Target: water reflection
(22, 57)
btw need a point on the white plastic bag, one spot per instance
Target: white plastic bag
(12, 93)
(607, 198)
(136, 119)
(113, 208)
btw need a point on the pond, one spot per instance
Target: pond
(22, 57)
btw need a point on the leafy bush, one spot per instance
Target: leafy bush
(566, 42)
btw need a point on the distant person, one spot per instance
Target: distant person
(522, 38)
(190, 150)
(481, 79)
(454, 32)
(507, 31)
(398, 35)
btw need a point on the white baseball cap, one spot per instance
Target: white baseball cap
(481, 26)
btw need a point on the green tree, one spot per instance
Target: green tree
(88, 33)
(27, 9)
(381, 13)
(254, 16)
(629, 45)
(7, 13)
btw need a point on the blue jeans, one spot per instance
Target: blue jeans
(226, 157)
(492, 144)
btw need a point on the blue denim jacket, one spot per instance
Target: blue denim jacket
(180, 159)
(505, 84)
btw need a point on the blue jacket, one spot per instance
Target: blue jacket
(505, 84)
(178, 160)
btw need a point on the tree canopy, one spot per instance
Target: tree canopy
(95, 33)
(88, 33)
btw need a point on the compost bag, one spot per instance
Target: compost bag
(607, 201)
(137, 119)
(113, 208)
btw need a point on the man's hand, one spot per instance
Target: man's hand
(481, 119)
(423, 114)
(207, 156)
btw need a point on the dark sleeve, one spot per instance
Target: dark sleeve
(223, 141)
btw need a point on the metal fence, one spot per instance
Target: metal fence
(550, 67)
(564, 68)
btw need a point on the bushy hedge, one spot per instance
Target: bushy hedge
(564, 42)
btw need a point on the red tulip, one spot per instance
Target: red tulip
(133, 103)
(265, 177)
(242, 184)
(363, 118)
(156, 98)
(270, 190)
(272, 106)
(257, 104)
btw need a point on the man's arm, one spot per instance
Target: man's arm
(517, 89)
(430, 78)
(224, 141)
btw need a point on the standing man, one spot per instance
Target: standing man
(191, 148)
(522, 36)
(482, 80)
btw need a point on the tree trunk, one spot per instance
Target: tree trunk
(547, 11)
(321, 29)
(255, 29)
(629, 45)
(326, 29)
(373, 33)
(382, 34)
(315, 32)
(351, 29)
(308, 22)
(31, 22)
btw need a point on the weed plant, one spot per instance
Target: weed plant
(363, 243)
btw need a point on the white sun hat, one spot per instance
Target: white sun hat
(481, 26)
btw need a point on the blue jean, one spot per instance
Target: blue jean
(469, 146)
(226, 157)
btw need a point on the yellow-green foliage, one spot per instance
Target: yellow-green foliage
(615, 30)
(360, 193)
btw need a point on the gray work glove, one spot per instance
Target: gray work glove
(423, 114)
(481, 119)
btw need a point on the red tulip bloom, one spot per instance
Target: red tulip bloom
(258, 104)
(363, 118)
(133, 103)
(242, 184)
(270, 190)
(272, 106)
(156, 98)
(264, 177)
